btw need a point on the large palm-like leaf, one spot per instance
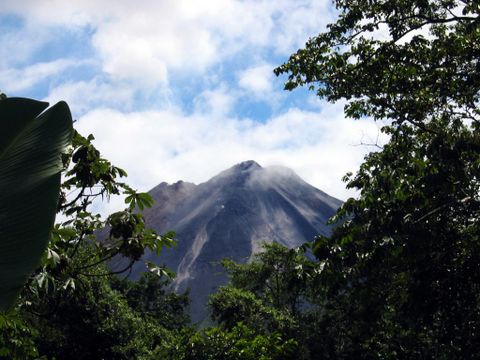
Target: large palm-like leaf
(31, 143)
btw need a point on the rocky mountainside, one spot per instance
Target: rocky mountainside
(230, 216)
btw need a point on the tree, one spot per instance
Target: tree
(79, 244)
(149, 296)
(74, 262)
(275, 293)
(278, 275)
(400, 274)
(426, 70)
(239, 343)
(93, 322)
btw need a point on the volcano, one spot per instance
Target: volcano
(230, 216)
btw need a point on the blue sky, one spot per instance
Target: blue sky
(183, 89)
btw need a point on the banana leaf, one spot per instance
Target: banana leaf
(31, 143)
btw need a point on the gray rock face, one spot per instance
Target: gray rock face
(230, 216)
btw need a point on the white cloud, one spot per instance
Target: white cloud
(16, 80)
(169, 145)
(59, 12)
(257, 80)
(18, 45)
(146, 40)
(218, 102)
(138, 49)
(85, 95)
(299, 20)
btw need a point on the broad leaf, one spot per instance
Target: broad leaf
(31, 143)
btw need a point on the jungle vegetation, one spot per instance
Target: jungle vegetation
(399, 278)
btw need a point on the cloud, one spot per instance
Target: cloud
(299, 20)
(85, 95)
(147, 40)
(168, 84)
(16, 80)
(73, 13)
(257, 80)
(156, 146)
(17, 45)
(217, 102)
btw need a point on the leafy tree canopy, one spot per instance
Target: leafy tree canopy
(71, 285)
(400, 274)
(404, 60)
(274, 294)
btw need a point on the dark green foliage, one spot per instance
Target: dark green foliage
(239, 343)
(149, 296)
(232, 305)
(98, 319)
(410, 76)
(400, 274)
(275, 293)
(94, 322)
(98, 322)
(278, 275)
(266, 294)
(406, 264)
(17, 338)
(68, 305)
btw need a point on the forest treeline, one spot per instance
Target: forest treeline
(399, 278)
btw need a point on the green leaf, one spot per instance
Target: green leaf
(66, 233)
(31, 143)
(69, 284)
(159, 270)
(52, 257)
